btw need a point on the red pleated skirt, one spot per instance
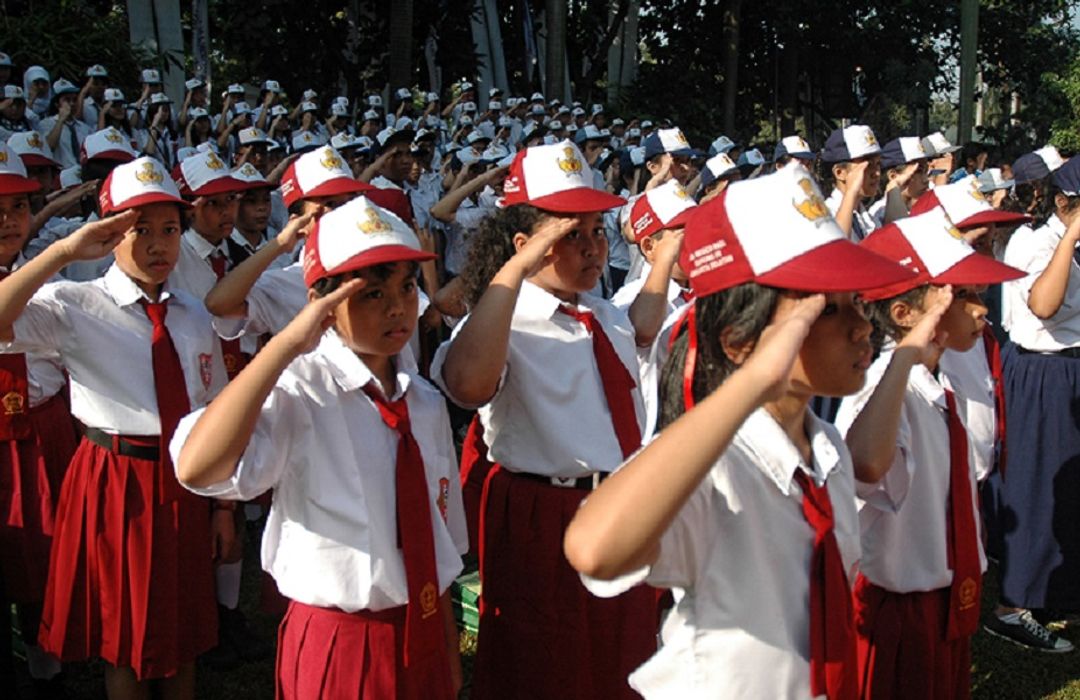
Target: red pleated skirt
(903, 650)
(542, 634)
(327, 653)
(132, 580)
(31, 472)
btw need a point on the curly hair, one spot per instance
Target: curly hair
(742, 311)
(879, 314)
(493, 244)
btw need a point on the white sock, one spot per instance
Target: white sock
(42, 666)
(228, 584)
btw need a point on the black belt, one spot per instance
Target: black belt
(121, 446)
(1073, 353)
(583, 483)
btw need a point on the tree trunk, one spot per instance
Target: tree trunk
(555, 67)
(731, 62)
(401, 21)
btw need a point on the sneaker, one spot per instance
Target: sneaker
(1021, 628)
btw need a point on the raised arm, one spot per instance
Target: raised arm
(649, 309)
(845, 214)
(477, 355)
(618, 528)
(445, 209)
(218, 440)
(1048, 293)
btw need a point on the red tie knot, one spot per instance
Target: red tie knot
(155, 311)
(584, 317)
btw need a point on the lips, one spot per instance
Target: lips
(865, 359)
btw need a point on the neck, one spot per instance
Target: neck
(562, 294)
(212, 240)
(789, 411)
(382, 367)
(150, 289)
(254, 237)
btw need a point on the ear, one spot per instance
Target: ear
(1061, 201)
(520, 239)
(904, 314)
(647, 245)
(312, 295)
(839, 172)
(737, 353)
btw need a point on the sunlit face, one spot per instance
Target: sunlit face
(215, 215)
(380, 318)
(14, 224)
(576, 262)
(837, 351)
(253, 215)
(149, 251)
(872, 177)
(965, 318)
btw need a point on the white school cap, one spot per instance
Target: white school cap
(937, 145)
(108, 144)
(356, 235)
(850, 143)
(252, 135)
(140, 182)
(250, 175)
(320, 173)
(555, 178)
(194, 83)
(114, 95)
(151, 75)
(31, 147)
(934, 251)
(663, 207)
(13, 177)
(272, 86)
(97, 71)
(965, 204)
(205, 174)
(777, 231)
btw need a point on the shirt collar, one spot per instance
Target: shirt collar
(778, 457)
(534, 302)
(202, 247)
(240, 239)
(921, 379)
(349, 371)
(1056, 225)
(123, 289)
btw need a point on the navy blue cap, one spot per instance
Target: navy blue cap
(793, 146)
(850, 143)
(1029, 168)
(1067, 177)
(901, 151)
(667, 141)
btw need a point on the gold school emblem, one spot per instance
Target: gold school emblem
(113, 136)
(813, 207)
(3, 156)
(374, 223)
(571, 164)
(955, 232)
(428, 598)
(14, 404)
(681, 193)
(871, 140)
(213, 162)
(330, 161)
(149, 174)
(248, 170)
(34, 140)
(681, 138)
(967, 593)
(975, 192)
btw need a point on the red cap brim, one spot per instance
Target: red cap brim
(978, 269)
(370, 257)
(994, 216)
(678, 222)
(143, 200)
(226, 184)
(34, 159)
(17, 184)
(580, 200)
(119, 156)
(338, 185)
(839, 266)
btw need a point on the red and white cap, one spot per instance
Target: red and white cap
(32, 148)
(140, 182)
(13, 179)
(108, 144)
(934, 250)
(966, 205)
(320, 173)
(250, 175)
(777, 231)
(664, 207)
(205, 174)
(555, 178)
(252, 135)
(356, 235)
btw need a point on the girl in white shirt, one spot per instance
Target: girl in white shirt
(131, 578)
(366, 529)
(744, 503)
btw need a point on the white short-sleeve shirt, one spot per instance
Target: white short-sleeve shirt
(321, 445)
(903, 517)
(1031, 251)
(739, 555)
(549, 415)
(103, 338)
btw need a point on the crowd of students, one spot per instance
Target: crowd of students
(708, 431)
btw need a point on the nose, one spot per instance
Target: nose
(860, 324)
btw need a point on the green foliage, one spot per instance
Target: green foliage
(67, 36)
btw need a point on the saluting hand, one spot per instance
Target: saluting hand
(924, 336)
(303, 332)
(98, 238)
(297, 227)
(776, 349)
(535, 251)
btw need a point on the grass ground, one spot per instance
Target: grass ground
(1000, 670)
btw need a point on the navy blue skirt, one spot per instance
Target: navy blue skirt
(1037, 503)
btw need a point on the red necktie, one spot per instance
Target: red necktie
(833, 665)
(14, 396)
(423, 624)
(993, 359)
(963, 542)
(230, 349)
(618, 384)
(170, 389)
(686, 295)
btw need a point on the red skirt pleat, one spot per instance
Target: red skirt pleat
(132, 580)
(542, 634)
(31, 472)
(327, 653)
(903, 650)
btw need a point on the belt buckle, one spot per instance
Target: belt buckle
(567, 483)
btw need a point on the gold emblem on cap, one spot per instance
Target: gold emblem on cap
(680, 137)
(330, 161)
(571, 164)
(3, 156)
(34, 140)
(373, 223)
(681, 193)
(113, 136)
(813, 207)
(871, 140)
(213, 162)
(976, 192)
(249, 170)
(955, 232)
(14, 404)
(149, 174)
